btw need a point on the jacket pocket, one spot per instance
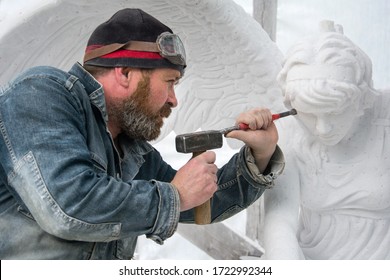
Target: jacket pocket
(25, 213)
(99, 164)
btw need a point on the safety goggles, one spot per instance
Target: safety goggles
(168, 45)
(171, 48)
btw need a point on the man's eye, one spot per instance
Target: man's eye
(173, 82)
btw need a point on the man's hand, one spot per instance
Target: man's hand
(261, 136)
(196, 181)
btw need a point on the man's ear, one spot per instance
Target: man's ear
(123, 75)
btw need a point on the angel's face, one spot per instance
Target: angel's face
(329, 128)
(328, 109)
(327, 122)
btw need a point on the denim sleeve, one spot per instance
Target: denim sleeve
(157, 170)
(49, 169)
(274, 169)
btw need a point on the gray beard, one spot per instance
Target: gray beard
(137, 124)
(135, 117)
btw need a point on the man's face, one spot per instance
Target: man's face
(141, 115)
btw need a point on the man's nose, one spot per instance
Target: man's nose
(172, 100)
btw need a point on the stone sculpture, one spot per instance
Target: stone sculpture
(333, 201)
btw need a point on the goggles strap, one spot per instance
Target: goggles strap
(132, 45)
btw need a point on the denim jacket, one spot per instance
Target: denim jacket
(64, 191)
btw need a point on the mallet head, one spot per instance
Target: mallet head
(199, 141)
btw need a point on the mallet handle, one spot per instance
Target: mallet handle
(203, 211)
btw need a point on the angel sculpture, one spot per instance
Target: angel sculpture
(232, 62)
(333, 201)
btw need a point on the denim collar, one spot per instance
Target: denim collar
(93, 88)
(134, 146)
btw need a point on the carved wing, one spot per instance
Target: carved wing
(232, 63)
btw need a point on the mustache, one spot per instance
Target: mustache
(166, 111)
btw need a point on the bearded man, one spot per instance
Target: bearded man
(78, 179)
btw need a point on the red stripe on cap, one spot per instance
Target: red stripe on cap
(92, 47)
(133, 54)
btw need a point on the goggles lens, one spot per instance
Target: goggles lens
(172, 48)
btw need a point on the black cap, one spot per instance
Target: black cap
(124, 26)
